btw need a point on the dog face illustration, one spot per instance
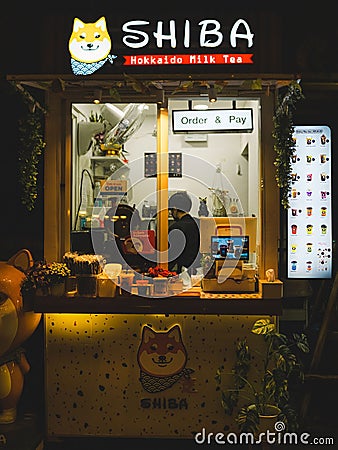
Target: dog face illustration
(89, 42)
(162, 353)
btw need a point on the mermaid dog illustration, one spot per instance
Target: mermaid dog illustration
(89, 46)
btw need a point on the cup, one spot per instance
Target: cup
(106, 286)
(143, 287)
(309, 247)
(160, 286)
(86, 285)
(309, 229)
(126, 282)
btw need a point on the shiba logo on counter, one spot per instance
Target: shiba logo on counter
(162, 358)
(89, 46)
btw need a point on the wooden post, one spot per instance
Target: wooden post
(162, 186)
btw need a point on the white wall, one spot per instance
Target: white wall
(239, 173)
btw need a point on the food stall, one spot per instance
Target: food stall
(110, 167)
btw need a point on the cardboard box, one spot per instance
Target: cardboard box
(229, 285)
(270, 289)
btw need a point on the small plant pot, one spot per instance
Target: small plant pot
(268, 419)
(58, 290)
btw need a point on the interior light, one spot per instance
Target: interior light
(212, 94)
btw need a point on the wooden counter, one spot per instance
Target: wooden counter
(228, 304)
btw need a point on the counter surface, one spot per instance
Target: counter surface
(241, 304)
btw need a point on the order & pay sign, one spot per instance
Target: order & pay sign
(212, 121)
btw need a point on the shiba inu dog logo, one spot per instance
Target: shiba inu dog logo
(162, 359)
(89, 46)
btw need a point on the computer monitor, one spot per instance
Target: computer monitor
(230, 247)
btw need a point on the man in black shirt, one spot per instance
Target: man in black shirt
(184, 235)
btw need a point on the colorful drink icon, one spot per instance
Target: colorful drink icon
(309, 229)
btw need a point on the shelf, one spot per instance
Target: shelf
(112, 158)
(241, 305)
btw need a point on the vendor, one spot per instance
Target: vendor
(184, 235)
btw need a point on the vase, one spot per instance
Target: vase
(58, 290)
(42, 291)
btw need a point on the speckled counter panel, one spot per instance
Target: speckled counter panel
(138, 375)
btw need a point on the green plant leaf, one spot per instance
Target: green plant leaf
(302, 342)
(248, 419)
(263, 326)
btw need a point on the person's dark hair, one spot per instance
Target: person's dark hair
(180, 201)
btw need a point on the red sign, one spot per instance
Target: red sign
(190, 59)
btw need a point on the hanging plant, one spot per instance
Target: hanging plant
(284, 143)
(30, 151)
(31, 146)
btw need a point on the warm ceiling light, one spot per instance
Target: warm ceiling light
(97, 96)
(212, 94)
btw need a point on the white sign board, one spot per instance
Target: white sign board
(309, 246)
(212, 121)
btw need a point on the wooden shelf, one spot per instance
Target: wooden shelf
(242, 305)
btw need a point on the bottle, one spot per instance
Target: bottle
(97, 188)
(146, 209)
(82, 220)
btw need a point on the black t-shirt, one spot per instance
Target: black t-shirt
(184, 255)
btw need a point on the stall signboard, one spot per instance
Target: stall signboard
(160, 43)
(212, 121)
(309, 221)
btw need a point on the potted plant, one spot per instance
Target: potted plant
(44, 279)
(251, 400)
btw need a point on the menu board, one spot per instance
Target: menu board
(309, 223)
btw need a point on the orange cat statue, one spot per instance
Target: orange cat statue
(16, 326)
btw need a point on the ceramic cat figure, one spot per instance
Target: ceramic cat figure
(203, 209)
(16, 326)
